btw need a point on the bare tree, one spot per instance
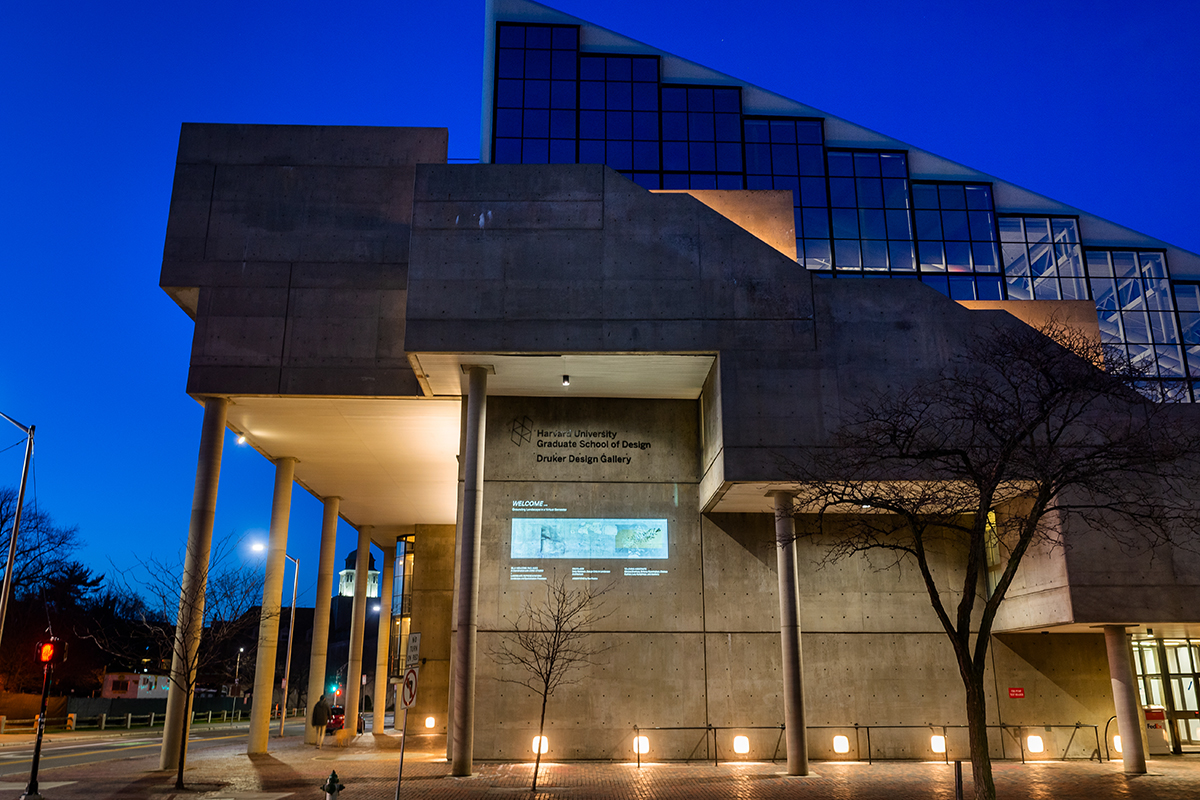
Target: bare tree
(1029, 428)
(550, 642)
(43, 548)
(230, 616)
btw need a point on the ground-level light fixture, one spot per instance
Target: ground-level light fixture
(430, 722)
(566, 380)
(841, 744)
(641, 745)
(1034, 744)
(741, 745)
(540, 744)
(937, 743)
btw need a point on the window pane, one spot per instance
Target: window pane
(951, 196)
(702, 156)
(962, 288)
(645, 155)
(841, 164)
(847, 254)
(900, 255)
(929, 224)
(1065, 231)
(1097, 262)
(1015, 261)
(895, 193)
(812, 193)
(783, 159)
(537, 123)
(619, 96)
(932, 257)
(1187, 296)
(899, 225)
(985, 257)
(871, 225)
(1018, 288)
(893, 165)
(1162, 327)
(729, 157)
(845, 224)
(958, 256)
(1037, 229)
(875, 255)
(1011, 229)
(511, 64)
(537, 64)
(816, 224)
(870, 193)
(811, 160)
(841, 193)
(924, 196)
(1190, 322)
(981, 226)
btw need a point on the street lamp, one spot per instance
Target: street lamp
(287, 663)
(16, 528)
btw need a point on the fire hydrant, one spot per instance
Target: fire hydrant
(332, 786)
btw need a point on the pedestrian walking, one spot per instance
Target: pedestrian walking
(320, 719)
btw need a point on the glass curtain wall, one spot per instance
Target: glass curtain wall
(857, 212)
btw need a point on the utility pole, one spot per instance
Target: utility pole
(12, 541)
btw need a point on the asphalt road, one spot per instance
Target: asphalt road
(16, 761)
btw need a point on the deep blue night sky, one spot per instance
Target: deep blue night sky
(1096, 104)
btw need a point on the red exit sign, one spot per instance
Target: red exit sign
(1016, 692)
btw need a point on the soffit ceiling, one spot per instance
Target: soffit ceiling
(653, 376)
(392, 461)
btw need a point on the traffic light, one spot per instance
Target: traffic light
(51, 651)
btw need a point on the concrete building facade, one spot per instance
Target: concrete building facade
(539, 371)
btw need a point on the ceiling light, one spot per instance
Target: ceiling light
(241, 438)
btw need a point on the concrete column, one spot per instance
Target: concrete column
(190, 621)
(358, 624)
(320, 640)
(385, 638)
(789, 628)
(268, 625)
(1125, 694)
(467, 611)
(458, 537)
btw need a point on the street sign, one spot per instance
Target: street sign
(412, 655)
(408, 689)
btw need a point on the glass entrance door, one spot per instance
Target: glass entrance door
(1168, 675)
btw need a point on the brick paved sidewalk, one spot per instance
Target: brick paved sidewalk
(293, 770)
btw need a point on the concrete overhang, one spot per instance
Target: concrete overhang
(393, 461)
(657, 376)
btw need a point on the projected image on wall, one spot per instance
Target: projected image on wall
(589, 538)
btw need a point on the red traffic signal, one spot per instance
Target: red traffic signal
(51, 651)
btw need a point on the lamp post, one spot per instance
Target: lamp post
(237, 671)
(16, 528)
(287, 662)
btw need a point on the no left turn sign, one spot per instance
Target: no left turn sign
(408, 688)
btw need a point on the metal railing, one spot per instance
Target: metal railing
(155, 719)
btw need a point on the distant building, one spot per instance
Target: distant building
(134, 686)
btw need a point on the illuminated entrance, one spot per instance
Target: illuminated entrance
(1168, 671)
